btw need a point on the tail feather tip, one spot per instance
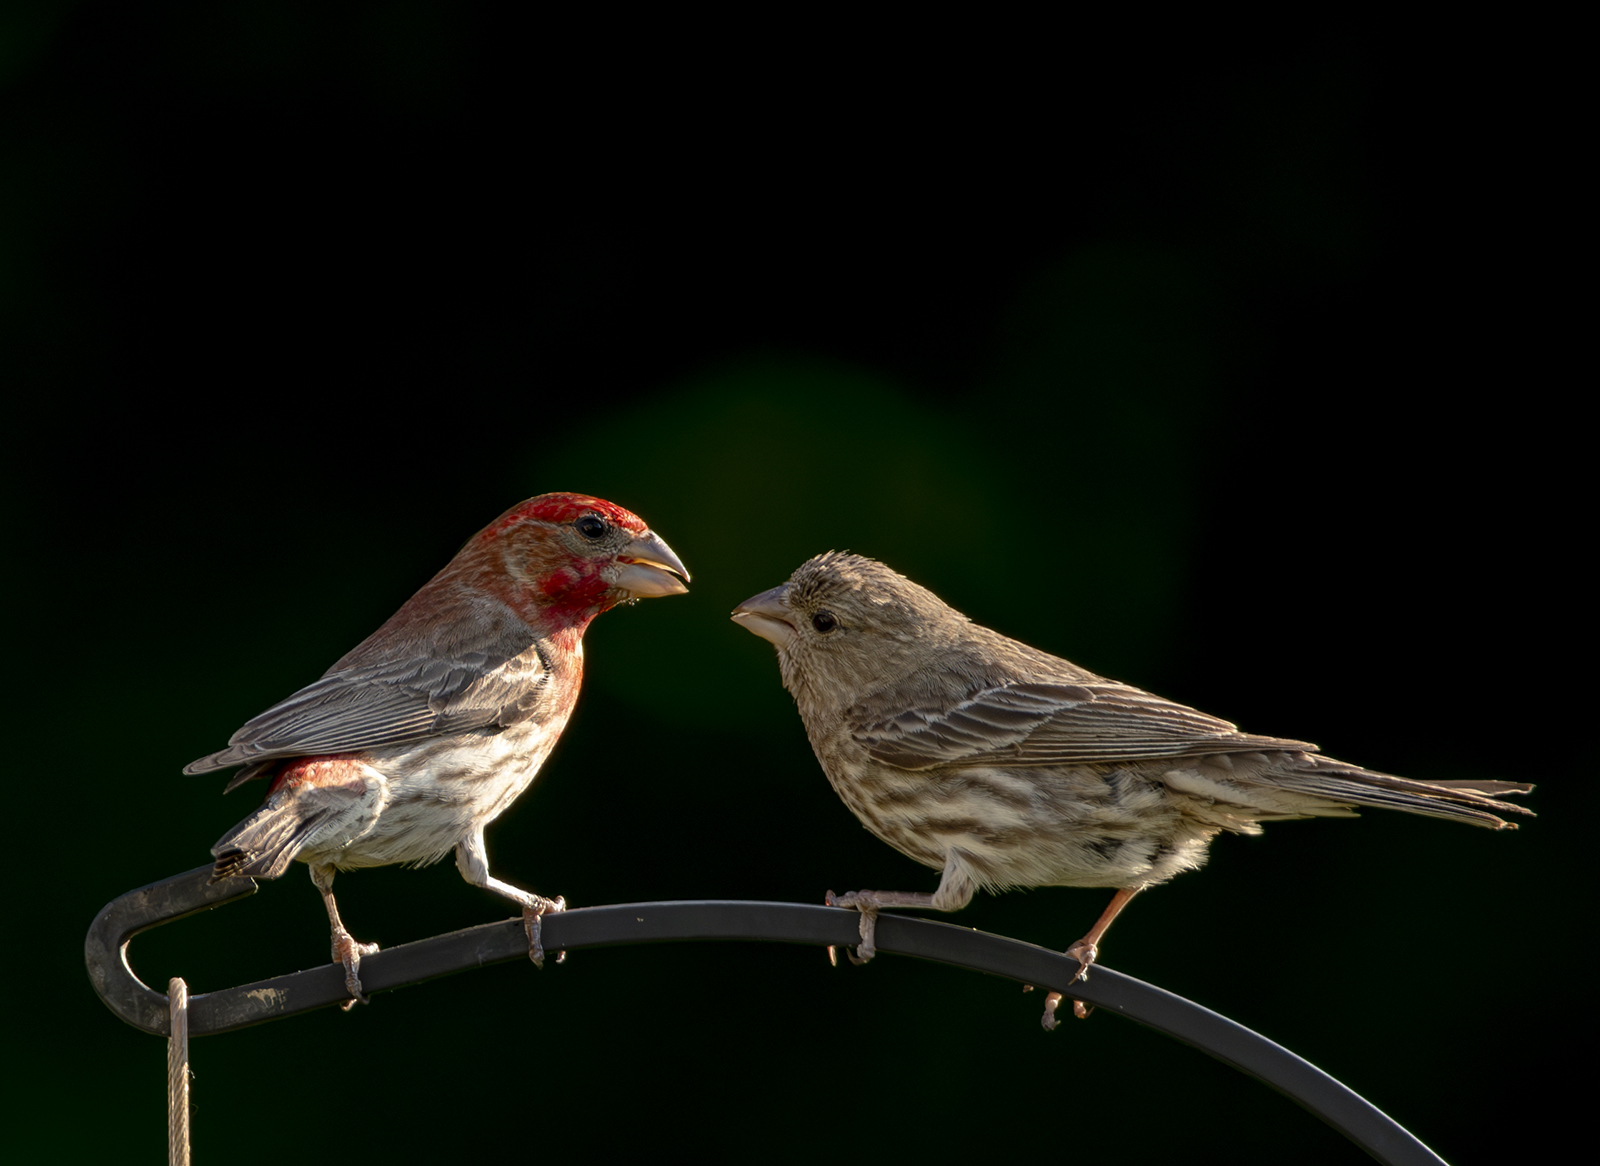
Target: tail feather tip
(229, 864)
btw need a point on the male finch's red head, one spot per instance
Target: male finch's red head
(564, 558)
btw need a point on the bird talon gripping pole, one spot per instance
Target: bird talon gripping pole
(739, 920)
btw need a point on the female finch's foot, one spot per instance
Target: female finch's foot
(531, 923)
(1085, 953)
(348, 951)
(868, 906)
(1052, 1002)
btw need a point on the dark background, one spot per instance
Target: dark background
(1224, 378)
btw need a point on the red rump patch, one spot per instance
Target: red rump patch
(325, 769)
(565, 508)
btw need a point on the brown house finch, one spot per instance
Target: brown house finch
(1003, 766)
(427, 730)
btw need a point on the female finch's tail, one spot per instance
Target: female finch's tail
(1478, 802)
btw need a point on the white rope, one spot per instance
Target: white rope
(178, 1074)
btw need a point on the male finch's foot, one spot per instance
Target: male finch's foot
(531, 923)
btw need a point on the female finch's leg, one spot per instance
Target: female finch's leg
(955, 891)
(869, 903)
(472, 860)
(346, 950)
(1086, 951)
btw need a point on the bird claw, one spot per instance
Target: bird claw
(348, 951)
(868, 947)
(1085, 953)
(1051, 1003)
(531, 923)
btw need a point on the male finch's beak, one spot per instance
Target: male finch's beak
(767, 615)
(649, 567)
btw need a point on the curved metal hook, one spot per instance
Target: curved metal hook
(106, 948)
(232, 1008)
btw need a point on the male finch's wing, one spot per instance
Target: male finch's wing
(370, 700)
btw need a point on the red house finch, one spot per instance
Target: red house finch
(1003, 766)
(425, 732)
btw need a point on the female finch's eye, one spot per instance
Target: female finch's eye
(824, 622)
(590, 527)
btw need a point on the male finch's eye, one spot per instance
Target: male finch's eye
(824, 622)
(591, 527)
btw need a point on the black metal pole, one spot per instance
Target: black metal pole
(737, 920)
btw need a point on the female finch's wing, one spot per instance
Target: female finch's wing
(1048, 724)
(366, 701)
(1107, 723)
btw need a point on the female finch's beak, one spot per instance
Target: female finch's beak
(767, 615)
(648, 568)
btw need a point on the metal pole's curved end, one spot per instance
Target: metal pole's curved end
(105, 950)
